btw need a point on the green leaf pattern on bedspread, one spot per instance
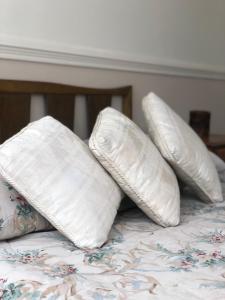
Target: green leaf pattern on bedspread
(17, 216)
(141, 260)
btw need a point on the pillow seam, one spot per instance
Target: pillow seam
(172, 156)
(107, 159)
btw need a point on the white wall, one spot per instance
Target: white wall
(184, 33)
(183, 36)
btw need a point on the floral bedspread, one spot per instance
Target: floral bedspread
(140, 261)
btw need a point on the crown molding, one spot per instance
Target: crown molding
(33, 50)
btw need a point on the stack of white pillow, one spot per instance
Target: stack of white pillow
(70, 185)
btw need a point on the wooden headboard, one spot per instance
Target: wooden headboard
(15, 103)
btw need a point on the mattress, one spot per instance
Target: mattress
(141, 260)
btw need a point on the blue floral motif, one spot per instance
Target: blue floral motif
(9, 187)
(213, 285)
(213, 237)
(10, 291)
(104, 254)
(24, 209)
(1, 223)
(189, 258)
(140, 260)
(38, 258)
(23, 257)
(60, 271)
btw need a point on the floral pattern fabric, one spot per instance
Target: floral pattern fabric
(17, 217)
(141, 260)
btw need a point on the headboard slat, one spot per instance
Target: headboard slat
(14, 114)
(95, 103)
(127, 103)
(61, 107)
(60, 103)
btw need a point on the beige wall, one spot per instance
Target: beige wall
(166, 32)
(183, 94)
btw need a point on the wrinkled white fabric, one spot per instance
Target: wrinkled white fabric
(182, 148)
(219, 164)
(58, 175)
(220, 167)
(137, 166)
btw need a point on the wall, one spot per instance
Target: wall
(172, 36)
(183, 94)
(119, 43)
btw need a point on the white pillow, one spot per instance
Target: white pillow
(219, 164)
(58, 175)
(220, 167)
(182, 148)
(137, 166)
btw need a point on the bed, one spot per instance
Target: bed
(141, 260)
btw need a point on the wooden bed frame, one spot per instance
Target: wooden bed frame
(15, 103)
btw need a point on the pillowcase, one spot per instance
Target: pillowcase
(58, 175)
(219, 164)
(220, 167)
(182, 148)
(17, 217)
(137, 166)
